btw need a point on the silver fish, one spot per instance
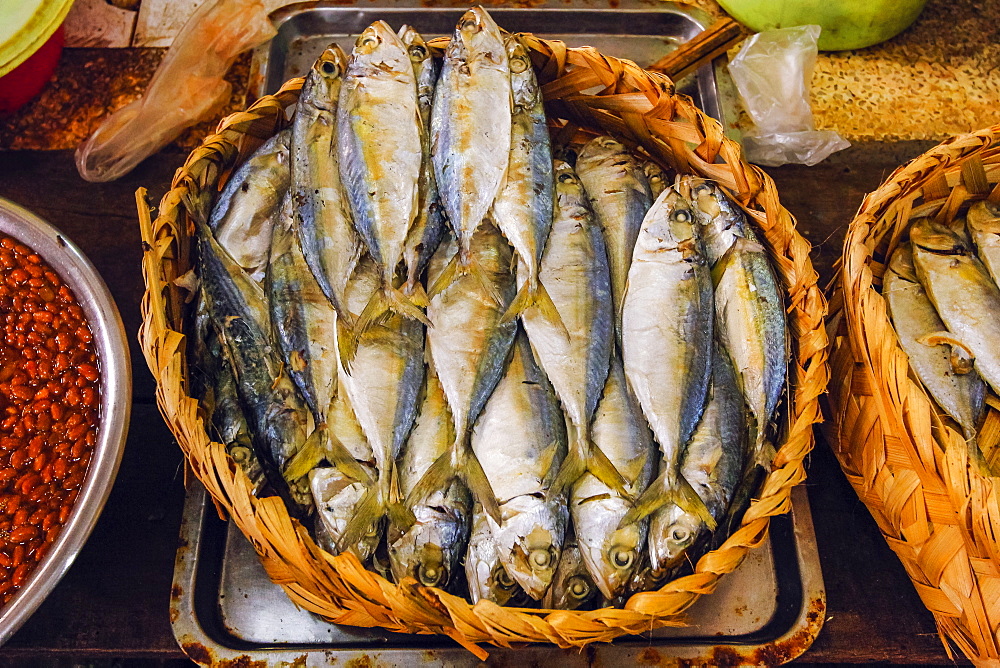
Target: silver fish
(620, 197)
(471, 130)
(379, 146)
(430, 549)
(304, 324)
(713, 463)
(572, 587)
(575, 357)
(247, 206)
(523, 208)
(322, 213)
(468, 346)
(983, 225)
(520, 440)
(279, 419)
(962, 292)
(383, 386)
(620, 431)
(429, 227)
(960, 393)
(750, 317)
(669, 309)
(487, 578)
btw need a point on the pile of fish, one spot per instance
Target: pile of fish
(941, 288)
(449, 346)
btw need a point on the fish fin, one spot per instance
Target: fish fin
(401, 304)
(764, 454)
(655, 497)
(688, 500)
(719, 268)
(418, 295)
(399, 514)
(468, 469)
(445, 278)
(473, 267)
(584, 456)
(978, 459)
(347, 345)
(538, 296)
(309, 455)
(370, 509)
(339, 456)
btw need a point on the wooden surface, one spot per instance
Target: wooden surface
(113, 602)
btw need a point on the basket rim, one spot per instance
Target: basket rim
(360, 597)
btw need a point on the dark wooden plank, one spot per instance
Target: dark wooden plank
(100, 218)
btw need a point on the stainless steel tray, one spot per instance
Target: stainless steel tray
(637, 30)
(224, 608)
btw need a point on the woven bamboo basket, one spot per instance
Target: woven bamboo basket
(906, 460)
(640, 108)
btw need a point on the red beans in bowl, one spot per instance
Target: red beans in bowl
(49, 409)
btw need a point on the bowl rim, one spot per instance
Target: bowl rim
(112, 349)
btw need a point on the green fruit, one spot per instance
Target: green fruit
(847, 24)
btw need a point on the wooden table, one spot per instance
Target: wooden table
(113, 602)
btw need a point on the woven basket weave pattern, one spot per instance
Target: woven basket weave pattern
(639, 108)
(906, 461)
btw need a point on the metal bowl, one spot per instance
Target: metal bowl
(116, 400)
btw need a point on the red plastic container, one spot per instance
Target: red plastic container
(25, 81)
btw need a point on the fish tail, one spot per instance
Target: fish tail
(687, 499)
(400, 303)
(399, 514)
(340, 456)
(465, 467)
(307, 457)
(378, 308)
(415, 291)
(370, 509)
(534, 294)
(655, 497)
(978, 459)
(584, 456)
(472, 266)
(445, 278)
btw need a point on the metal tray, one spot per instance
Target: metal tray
(630, 29)
(224, 608)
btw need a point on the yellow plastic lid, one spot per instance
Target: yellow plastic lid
(25, 25)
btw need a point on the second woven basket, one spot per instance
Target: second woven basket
(906, 460)
(641, 109)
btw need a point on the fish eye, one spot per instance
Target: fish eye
(240, 455)
(701, 189)
(328, 68)
(680, 534)
(682, 216)
(417, 52)
(540, 558)
(431, 575)
(368, 39)
(566, 178)
(578, 587)
(607, 142)
(622, 558)
(470, 25)
(518, 65)
(503, 578)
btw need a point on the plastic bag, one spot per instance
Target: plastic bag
(187, 88)
(772, 72)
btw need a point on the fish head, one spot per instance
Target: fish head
(901, 263)
(524, 85)
(429, 551)
(674, 227)
(569, 188)
(416, 47)
(984, 216)
(605, 150)
(378, 52)
(610, 553)
(478, 41)
(655, 175)
(336, 497)
(488, 579)
(572, 587)
(937, 238)
(530, 540)
(671, 532)
(322, 84)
